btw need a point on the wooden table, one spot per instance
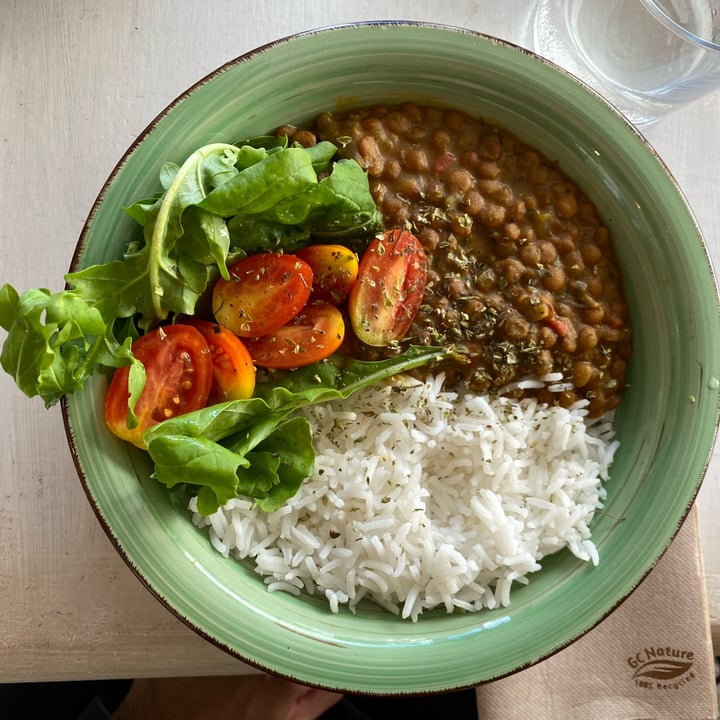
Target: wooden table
(78, 82)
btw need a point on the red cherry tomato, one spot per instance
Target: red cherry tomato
(178, 370)
(391, 282)
(233, 369)
(265, 291)
(335, 270)
(314, 334)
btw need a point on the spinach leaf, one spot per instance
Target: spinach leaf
(179, 459)
(181, 447)
(258, 188)
(272, 473)
(291, 444)
(337, 206)
(321, 154)
(254, 235)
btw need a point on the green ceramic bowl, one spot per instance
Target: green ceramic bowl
(666, 424)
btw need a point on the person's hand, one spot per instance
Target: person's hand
(243, 697)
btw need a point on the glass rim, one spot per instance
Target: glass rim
(661, 14)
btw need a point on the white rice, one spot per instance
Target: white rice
(424, 499)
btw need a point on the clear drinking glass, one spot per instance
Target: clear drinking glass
(647, 57)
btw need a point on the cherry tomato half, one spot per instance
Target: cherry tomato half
(178, 370)
(391, 282)
(233, 369)
(315, 333)
(265, 291)
(335, 269)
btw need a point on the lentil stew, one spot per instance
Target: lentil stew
(522, 279)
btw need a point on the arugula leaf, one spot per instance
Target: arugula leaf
(174, 286)
(240, 428)
(117, 289)
(215, 249)
(171, 271)
(55, 342)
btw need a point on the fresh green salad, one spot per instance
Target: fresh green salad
(287, 245)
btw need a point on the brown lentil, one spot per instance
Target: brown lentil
(522, 276)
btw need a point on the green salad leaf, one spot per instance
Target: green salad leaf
(55, 341)
(271, 472)
(221, 450)
(223, 202)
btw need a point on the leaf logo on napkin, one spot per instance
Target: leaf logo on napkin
(662, 668)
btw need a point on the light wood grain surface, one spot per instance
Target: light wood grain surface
(79, 80)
